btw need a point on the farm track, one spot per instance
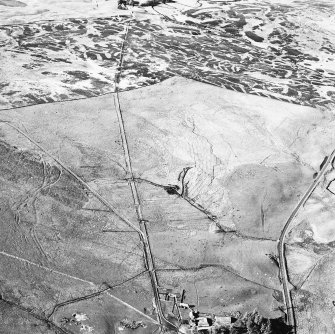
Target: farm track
(281, 245)
(142, 230)
(94, 193)
(144, 236)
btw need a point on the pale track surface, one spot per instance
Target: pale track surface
(281, 245)
(77, 279)
(149, 260)
(142, 229)
(99, 197)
